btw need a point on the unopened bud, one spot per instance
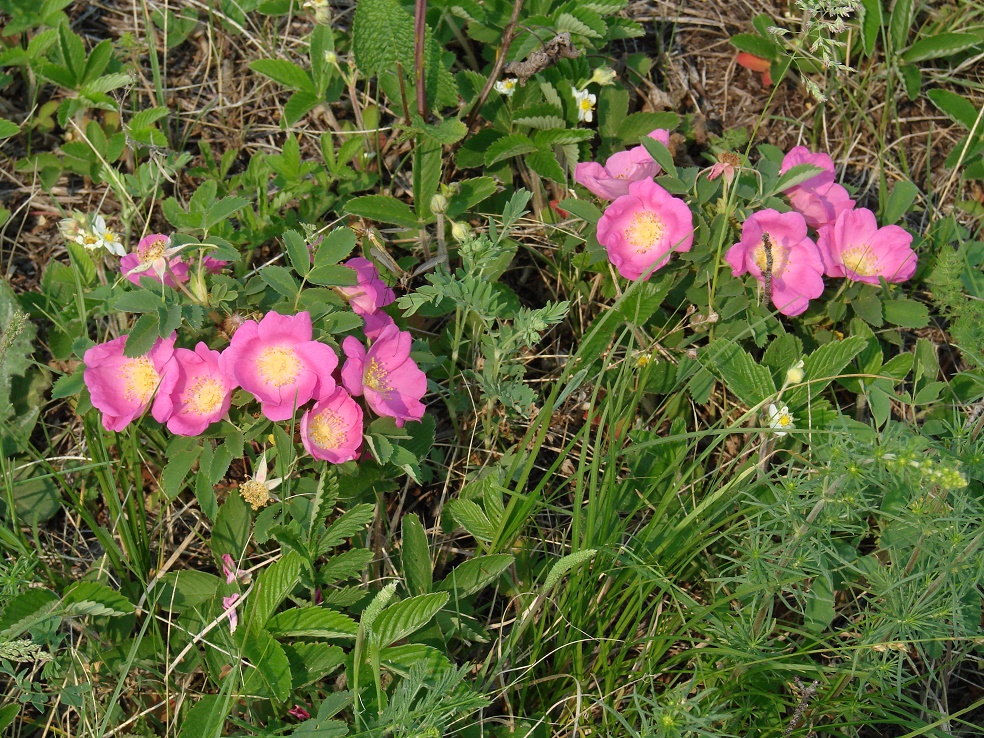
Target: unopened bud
(439, 204)
(795, 373)
(603, 76)
(460, 232)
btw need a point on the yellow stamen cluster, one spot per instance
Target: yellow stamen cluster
(327, 429)
(255, 493)
(375, 377)
(860, 260)
(646, 229)
(205, 396)
(278, 365)
(140, 379)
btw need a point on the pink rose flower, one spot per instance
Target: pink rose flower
(277, 360)
(375, 323)
(332, 429)
(154, 258)
(390, 380)
(622, 169)
(820, 206)
(371, 293)
(120, 387)
(856, 248)
(802, 155)
(213, 265)
(642, 229)
(796, 274)
(195, 393)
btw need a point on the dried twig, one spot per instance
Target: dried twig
(806, 694)
(507, 38)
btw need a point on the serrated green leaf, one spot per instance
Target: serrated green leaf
(206, 717)
(334, 247)
(899, 202)
(426, 173)
(180, 590)
(751, 382)
(568, 22)
(94, 598)
(349, 524)
(272, 586)
(958, 108)
(581, 209)
(8, 128)
(281, 280)
(272, 672)
(823, 366)
(507, 147)
(299, 104)
(661, 155)
(346, 565)
(544, 163)
(178, 466)
(470, 193)
(95, 89)
(940, 45)
(404, 618)
(142, 337)
(401, 659)
(475, 574)
(333, 275)
(906, 313)
(383, 209)
(633, 127)
(312, 622)
(137, 301)
(286, 73)
(415, 556)
(553, 136)
(899, 23)
(311, 662)
(148, 117)
(795, 176)
(540, 121)
(473, 519)
(754, 44)
(223, 209)
(67, 385)
(297, 252)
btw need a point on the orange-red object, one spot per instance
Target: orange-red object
(756, 64)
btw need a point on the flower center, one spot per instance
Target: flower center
(375, 377)
(585, 104)
(153, 251)
(205, 396)
(860, 260)
(646, 229)
(327, 429)
(255, 493)
(278, 365)
(140, 379)
(783, 420)
(771, 260)
(89, 240)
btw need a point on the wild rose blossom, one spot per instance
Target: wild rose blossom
(155, 258)
(332, 429)
(279, 362)
(819, 199)
(375, 323)
(195, 393)
(856, 248)
(371, 293)
(640, 230)
(390, 380)
(120, 387)
(796, 274)
(612, 180)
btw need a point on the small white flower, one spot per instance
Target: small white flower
(110, 240)
(506, 86)
(585, 102)
(780, 419)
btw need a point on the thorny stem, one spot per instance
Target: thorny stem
(500, 61)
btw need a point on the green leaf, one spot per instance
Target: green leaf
(272, 586)
(383, 209)
(231, 530)
(206, 718)
(67, 385)
(899, 24)
(8, 128)
(137, 301)
(334, 247)
(95, 89)
(555, 136)
(27, 610)
(940, 45)
(178, 466)
(299, 104)
(223, 209)
(334, 275)
(298, 252)
(400, 620)
(906, 313)
(661, 155)
(311, 662)
(345, 565)
(349, 524)
(415, 556)
(7, 715)
(823, 366)
(899, 202)
(180, 590)
(582, 209)
(312, 622)
(426, 176)
(94, 598)
(142, 337)
(272, 667)
(147, 118)
(473, 519)
(795, 176)
(871, 23)
(507, 147)
(959, 109)
(756, 45)
(470, 193)
(635, 126)
(751, 382)
(286, 73)
(564, 565)
(544, 162)
(281, 280)
(475, 574)
(72, 51)
(401, 659)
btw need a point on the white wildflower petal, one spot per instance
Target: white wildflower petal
(780, 419)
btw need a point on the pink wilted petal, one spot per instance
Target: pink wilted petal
(797, 269)
(391, 381)
(371, 293)
(122, 388)
(332, 429)
(612, 180)
(642, 229)
(299, 712)
(278, 361)
(153, 251)
(229, 605)
(213, 265)
(856, 248)
(197, 394)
